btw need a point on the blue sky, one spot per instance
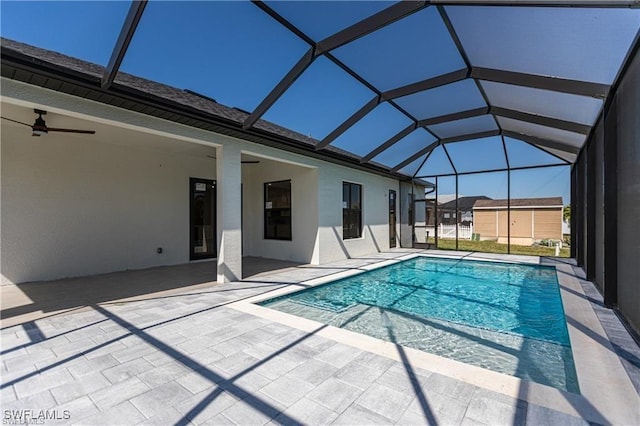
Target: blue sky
(235, 53)
(537, 183)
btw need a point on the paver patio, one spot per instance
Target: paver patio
(192, 358)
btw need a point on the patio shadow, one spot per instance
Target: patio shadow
(34, 300)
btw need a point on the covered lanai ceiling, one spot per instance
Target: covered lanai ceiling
(406, 85)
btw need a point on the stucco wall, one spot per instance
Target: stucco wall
(149, 203)
(628, 221)
(75, 206)
(304, 211)
(375, 213)
(316, 212)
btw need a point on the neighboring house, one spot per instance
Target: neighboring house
(531, 219)
(447, 211)
(171, 177)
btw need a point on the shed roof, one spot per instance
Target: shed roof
(464, 203)
(519, 202)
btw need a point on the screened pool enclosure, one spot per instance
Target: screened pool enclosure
(486, 99)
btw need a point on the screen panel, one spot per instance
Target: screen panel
(455, 97)
(585, 44)
(564, 106)
(482, 230)
(570, 157)
(477, 155)
(436, 164)
(374, 129)
(430, 214)
(320, 19)
(522, 154)
(319, 101)
(538, 198)
(542, 132)
(466, 126)
(446, 197)
(215, 49)
(411, 168)
(394, 56)
(405, 147)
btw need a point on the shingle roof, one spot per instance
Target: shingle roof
(464, 203)
(520, 202)
(153, 88)
(165, 92)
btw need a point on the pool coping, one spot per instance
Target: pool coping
(607, 393)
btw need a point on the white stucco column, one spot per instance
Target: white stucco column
(229, 174)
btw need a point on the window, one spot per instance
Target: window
(351, 210)
(277, 210)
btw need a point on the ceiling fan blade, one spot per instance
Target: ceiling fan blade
(87, 132)
(242, 162)
(16, 121)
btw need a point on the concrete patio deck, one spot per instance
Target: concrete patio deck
(36, 300)
(202, 354)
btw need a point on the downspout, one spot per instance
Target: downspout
(432, 190)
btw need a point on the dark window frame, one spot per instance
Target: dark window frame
(192, 240)
(349, 212)
(268, 214)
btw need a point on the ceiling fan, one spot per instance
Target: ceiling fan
(40, 126)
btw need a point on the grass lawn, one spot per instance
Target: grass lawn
(494, 247)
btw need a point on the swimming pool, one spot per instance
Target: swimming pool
(505, 317)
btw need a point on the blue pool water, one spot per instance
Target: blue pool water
(505, 317)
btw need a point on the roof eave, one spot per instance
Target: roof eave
(31, 67)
